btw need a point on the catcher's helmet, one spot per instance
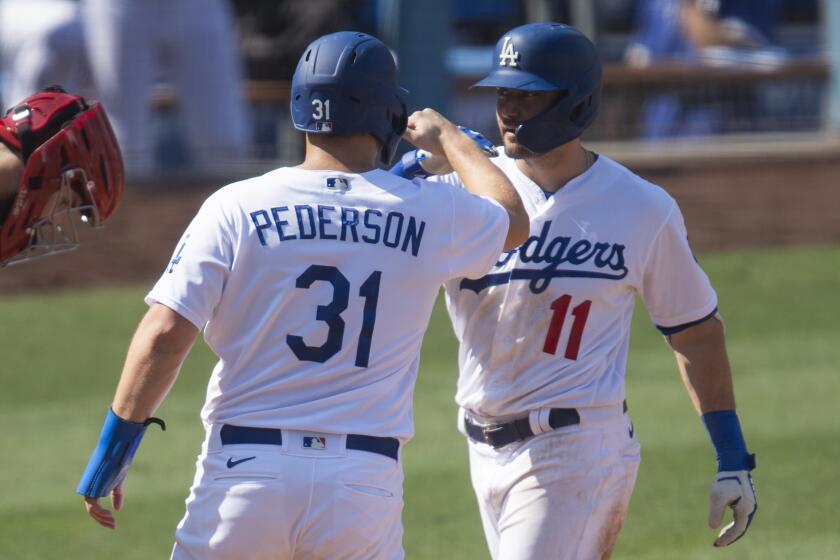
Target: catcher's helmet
(346, 83)
(72, 165)
(549, 57)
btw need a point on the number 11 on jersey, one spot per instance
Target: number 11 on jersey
(561, 308)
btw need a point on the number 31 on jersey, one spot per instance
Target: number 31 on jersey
(331, 315)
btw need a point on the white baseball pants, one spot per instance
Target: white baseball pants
(561, 494)
(258, 501)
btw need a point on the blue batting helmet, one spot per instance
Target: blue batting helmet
(346, 83)
(549, 57)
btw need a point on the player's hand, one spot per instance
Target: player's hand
(102, 515)
(439, 165)
(426, 130)
(732, 489)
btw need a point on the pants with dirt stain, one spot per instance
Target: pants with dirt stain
(561, 494)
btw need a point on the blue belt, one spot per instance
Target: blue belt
(232, 435)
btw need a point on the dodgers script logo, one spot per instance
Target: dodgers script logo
(508, 56)
(555, 253)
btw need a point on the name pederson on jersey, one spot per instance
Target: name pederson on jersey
(549, 324)
(314, 290)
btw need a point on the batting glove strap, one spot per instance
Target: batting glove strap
(481, 141)
(409, 165)
(109, 462)
(728, 440)
(732, 489)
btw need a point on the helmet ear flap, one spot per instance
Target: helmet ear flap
(580, 109)
(577, 111)
(399, 122)
(566, 120)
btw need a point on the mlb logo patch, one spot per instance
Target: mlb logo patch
(314, 442)
(325, 126)
(338, 183)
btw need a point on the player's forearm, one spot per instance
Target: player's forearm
(159, 347)
(704, 366)
(436, 165)
(481, 177)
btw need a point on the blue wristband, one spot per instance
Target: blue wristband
(409, 165)
(113, 454)
(728, 441)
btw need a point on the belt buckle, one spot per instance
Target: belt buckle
(489, 431)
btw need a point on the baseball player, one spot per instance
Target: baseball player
(314, 285)
(59, 159)
(544, 333)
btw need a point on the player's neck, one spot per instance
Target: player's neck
(552, 170)
(351, 153)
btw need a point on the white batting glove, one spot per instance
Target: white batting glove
(732, 489)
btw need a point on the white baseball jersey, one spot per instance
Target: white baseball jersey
(314, 290)
(549, 325)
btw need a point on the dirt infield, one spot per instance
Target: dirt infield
(727, 205)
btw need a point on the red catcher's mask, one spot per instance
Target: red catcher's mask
(73, 167)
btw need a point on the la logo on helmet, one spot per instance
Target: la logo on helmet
(508, 56)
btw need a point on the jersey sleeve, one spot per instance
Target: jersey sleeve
(450, 179)
(479, 229)
(675, 290)
(194, 278)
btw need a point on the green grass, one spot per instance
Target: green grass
(62, 353)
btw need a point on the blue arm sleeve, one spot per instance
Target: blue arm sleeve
(113, 454)
(730, 448)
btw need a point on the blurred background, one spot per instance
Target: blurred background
(733, 106)
(209, 95)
